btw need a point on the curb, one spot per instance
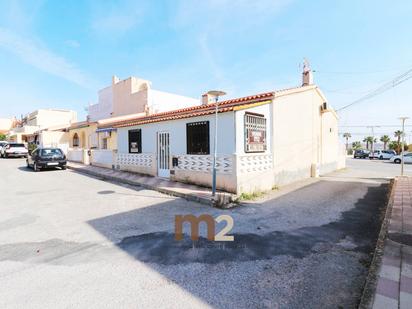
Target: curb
(369, 289)
(189, 197)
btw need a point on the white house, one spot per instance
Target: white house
(263, 140)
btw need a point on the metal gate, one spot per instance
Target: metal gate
(163, 154)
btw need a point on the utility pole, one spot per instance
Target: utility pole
(373, 139)
(403, 119)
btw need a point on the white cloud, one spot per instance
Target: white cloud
(211, 24)
(217, 71)
(43, 59)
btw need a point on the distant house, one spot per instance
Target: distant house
(264, 140)
(31, 127)
(5, 125)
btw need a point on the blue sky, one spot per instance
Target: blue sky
(59, 53)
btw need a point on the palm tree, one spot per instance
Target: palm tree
(369, 140)
(385, 140)
(393, 145)
(398, 134)
(365, 140)
(347, 136)
(356, 145)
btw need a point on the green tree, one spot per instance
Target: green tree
(398, 134)
(394, 145)
(3, 137)
(369, 140)
(347, 136)
(356, 145)
(385, 140)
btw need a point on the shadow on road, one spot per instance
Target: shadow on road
(159, 249)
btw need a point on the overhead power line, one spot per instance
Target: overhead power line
(387, 69)
(383, 88)
(365, 126)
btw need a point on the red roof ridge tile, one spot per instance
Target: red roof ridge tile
(199, 110)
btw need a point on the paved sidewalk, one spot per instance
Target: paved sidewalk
(394, 285)
(190, 192)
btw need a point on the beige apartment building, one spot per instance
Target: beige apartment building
(37, 127)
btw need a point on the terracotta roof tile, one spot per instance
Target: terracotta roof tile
(201, 110)
(193, 111)
(80, 124)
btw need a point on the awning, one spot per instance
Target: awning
(105, 130)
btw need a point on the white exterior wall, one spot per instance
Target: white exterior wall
(240, 127)
(177, 130)
(102, 158)
(104, 108)
(333, 155)
(46, 118)
(296, 136)
(193, 168)
(160, 101)
(302, 137)
(254, 170)
(57, 139)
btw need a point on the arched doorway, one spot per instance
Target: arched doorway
(76, 140)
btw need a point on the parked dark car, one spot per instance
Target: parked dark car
(46, 158)
(361, 154)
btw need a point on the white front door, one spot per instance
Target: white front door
(163, 154)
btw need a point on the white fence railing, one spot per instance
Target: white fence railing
(141, 159)
(204, 163)
(251, 163)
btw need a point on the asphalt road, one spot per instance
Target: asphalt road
(69, 240)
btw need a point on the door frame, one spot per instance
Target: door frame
(163, 158)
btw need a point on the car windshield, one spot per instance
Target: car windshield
(16, 145)
(51, 152)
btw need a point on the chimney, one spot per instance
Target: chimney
(208, 99)
(307, 75)
(115, 79)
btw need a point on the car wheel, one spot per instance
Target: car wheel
(397, 161)
(35, 167)
(63, 168)
(6, 155)
(381, 158)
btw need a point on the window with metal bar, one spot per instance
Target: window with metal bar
(197, 138)
(255, 133)
(135, 141)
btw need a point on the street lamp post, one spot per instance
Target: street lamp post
(403, 119)
(216, 94)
